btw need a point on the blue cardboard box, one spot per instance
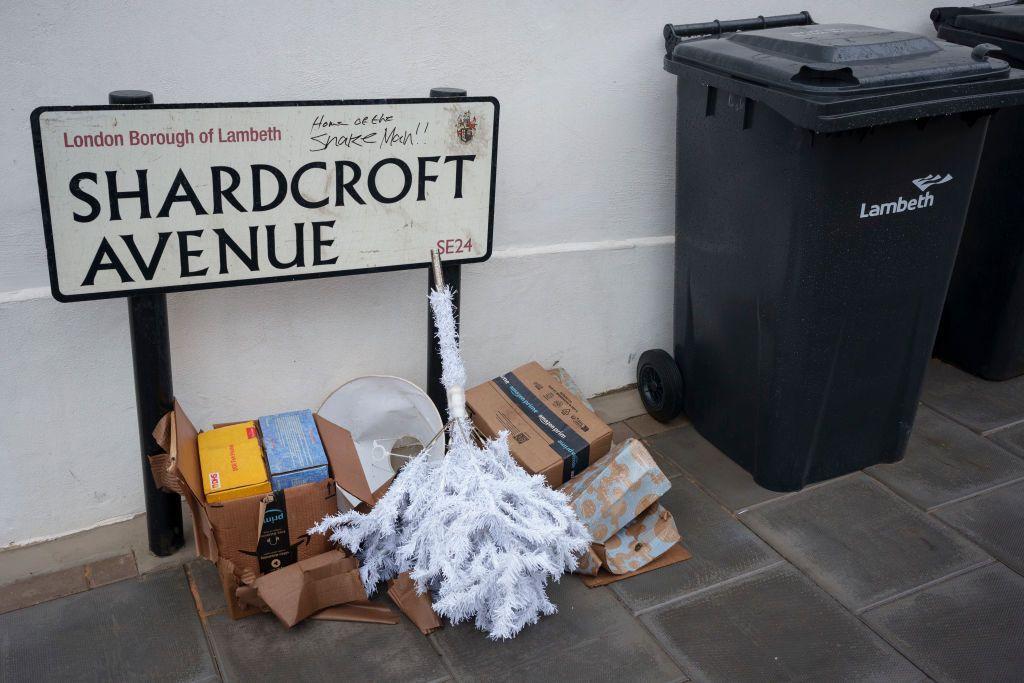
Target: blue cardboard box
(295, 455)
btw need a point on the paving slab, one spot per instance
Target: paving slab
(859, 541)
(1011, 438)
(141, 629)
(945, 461)
(965, 629)
(775, 625)
(103, 572)
(993, 520)
(722, 549)
(204, 576)
(260, 648)
(593, 637)
(645, 425)
(43, 587)
(976, 403)
(732, 485)
(621, 432)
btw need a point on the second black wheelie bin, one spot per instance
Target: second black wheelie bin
(823, 175)
(982, 328)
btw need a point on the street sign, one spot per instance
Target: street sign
(163, 198)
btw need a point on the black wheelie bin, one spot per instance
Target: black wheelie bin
(823, 176)
(982, 328)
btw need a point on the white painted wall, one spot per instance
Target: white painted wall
(585, 159)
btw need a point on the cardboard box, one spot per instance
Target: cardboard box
(636, 545)
(251, 536)
(294, 451)
(551, 431)
(232, 463)
(616, 489)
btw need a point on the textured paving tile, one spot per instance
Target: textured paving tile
(722, 548)
(728, 482)
(259, 648)
(965, 629)
(860, 542)
(37, 589)
(945, 461)
(645, 425)
(144, 629)
(974, 402)
(621, 432)
(207, 582)
(773, 626)
(1011, 438)
(110, 570)
(993, 520)
(618, 406)
(592, 637)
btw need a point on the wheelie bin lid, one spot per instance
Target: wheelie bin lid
(833, 77)
(999, 23)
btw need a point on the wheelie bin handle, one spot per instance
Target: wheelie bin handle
(676, 32)
(946, 15)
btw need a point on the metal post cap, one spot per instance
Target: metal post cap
(131, 97)
(447, 92)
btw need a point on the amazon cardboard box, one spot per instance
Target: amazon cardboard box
(551, 430)
(252, 536)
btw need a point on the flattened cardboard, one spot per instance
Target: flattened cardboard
(673, 555)
(532, 445)
(362, 611)
(299, 590)
(616, 489)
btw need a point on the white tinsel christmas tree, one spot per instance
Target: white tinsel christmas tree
(473, 529)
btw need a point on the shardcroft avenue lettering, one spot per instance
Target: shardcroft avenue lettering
(174, 197)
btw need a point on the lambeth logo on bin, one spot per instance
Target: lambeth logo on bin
(929, 180)
(901, 204)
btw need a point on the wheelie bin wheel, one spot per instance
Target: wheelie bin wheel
(660, 384)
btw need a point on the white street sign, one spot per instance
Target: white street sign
(160, 198)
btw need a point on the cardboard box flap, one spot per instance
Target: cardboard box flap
(184, 451)
(298, 590)
(416, 606)
(344, 461)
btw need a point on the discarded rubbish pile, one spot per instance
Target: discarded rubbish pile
(529, 487)
(473, 529)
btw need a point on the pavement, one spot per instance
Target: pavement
(909, 571)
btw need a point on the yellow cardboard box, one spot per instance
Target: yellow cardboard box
(232, 463)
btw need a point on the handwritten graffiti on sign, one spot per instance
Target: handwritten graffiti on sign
(177, 197)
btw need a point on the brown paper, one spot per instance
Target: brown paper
(417, 607)
(676, 553)
(301, 589)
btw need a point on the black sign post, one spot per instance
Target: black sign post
(452, 273)
(154, 393)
